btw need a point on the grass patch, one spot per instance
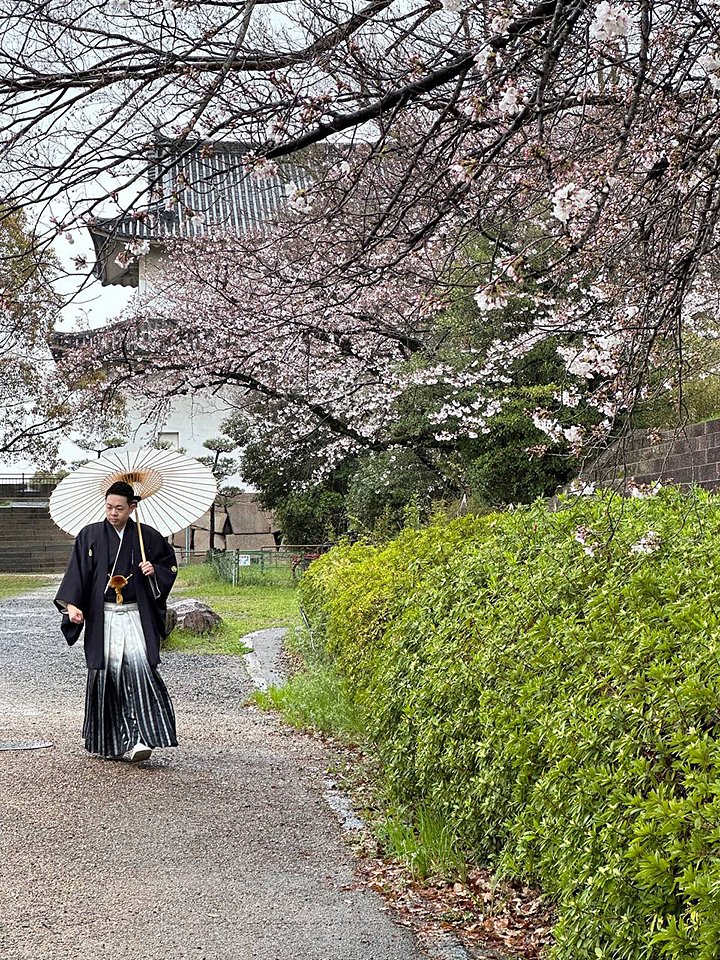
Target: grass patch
(243, 609)
(423, 840)
(13, 584)
(255, 575)
(316, 699)
(225, 638)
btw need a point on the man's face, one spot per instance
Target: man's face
(117, 510)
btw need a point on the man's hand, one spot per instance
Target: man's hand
(147, 568)
(75, 613)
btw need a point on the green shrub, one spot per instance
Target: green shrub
(316, 698)
(311, 516)
(422, 840)
(558, 709)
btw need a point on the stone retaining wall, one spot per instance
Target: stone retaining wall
(242, 525)
(30, 542)
(687, 456)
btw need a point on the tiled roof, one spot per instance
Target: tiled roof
(199, 186)
(62, 342)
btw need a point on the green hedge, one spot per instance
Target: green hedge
(559, 709)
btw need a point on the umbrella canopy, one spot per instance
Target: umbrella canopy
(175, 489)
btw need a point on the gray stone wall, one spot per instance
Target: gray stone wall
(685, 456)
(243, 525)
(30, 542)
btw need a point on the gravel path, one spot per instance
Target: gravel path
(222, 849)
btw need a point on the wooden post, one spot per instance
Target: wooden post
(142, 543)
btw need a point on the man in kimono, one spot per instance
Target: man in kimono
(120, 599)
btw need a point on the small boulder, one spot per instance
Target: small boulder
(194, 615)
(170, 621)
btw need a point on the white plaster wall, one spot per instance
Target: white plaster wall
(196, 418)
(155, 269)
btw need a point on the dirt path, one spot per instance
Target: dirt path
(222, 849)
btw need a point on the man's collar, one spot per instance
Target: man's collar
(109, 526)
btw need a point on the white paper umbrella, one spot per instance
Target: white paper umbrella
(175, 489)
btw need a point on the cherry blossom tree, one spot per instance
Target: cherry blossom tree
(577, 141)
(36, 403)
(329, 352)
(323, 348)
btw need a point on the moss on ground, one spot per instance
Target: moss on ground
(14, 584)
(243, 609)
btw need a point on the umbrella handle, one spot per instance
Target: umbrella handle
(142, 542)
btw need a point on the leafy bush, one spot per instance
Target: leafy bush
(384, 485)
(311, 516)
(549, 685)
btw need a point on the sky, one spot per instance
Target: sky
(90, 303)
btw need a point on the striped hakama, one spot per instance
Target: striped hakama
(127, 702)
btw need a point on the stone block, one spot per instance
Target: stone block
(249, 541)
(667, 466)
(194, 615)
(203, 538)
(697, 442)
(709, 473)
(170, 621)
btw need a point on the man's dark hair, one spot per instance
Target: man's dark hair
(122, 489)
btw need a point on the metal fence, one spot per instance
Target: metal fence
(27, 487)
(270, 565)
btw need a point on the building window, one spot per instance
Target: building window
(169, 439)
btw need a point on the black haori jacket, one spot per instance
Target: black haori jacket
(86, 580)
